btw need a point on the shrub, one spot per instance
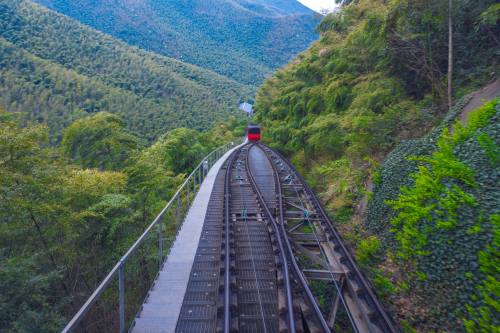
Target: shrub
(368, 249)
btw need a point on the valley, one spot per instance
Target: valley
(388, 109)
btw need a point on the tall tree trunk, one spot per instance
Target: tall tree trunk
(45, 244)
(450, 54)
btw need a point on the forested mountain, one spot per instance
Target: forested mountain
(240, 39)
(54, 70)
(90, 144)
(410, 184)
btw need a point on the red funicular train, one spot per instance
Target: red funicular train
(253, 132)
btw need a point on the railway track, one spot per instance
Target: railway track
(256, 261)
(315, 239)
(274, 262)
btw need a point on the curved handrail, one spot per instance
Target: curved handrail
(199, 172)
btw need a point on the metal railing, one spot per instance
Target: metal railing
(177, 208)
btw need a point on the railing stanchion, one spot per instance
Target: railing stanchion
(178, 209)
(160, 245)
(194, 184)
(188, 195)
(121, 301)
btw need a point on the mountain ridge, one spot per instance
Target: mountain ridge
(196, 96)
(242, 40)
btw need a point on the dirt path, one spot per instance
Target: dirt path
(479, 97)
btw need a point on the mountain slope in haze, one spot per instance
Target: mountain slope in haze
(273, 7)
(54, 70)
(241, 39)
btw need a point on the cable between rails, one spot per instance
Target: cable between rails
(385, 320)
(295, 266)
(323, 254)
(289, 299)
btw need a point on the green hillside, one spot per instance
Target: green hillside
(241, 39)
(55, 70)
(363, 113)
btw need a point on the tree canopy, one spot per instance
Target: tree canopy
(67, 213)
(99, 141)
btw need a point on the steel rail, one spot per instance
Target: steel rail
(323, 254)
(295, 266)
(382, 315)
(289, 299)
(227, 254)
(321, 250)
(118, 269)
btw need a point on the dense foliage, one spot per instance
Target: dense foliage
(55, 70)
(452, 203)
(66, 220)
(375, 83)
(99, 142)
(394, 172)
(354, 93)
(241, 39)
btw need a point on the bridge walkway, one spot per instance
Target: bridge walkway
(162, 308)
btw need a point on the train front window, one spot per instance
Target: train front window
(254, 130)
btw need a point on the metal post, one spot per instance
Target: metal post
(194, 184)
(200, 177)
(160, 245)
(333, 312)
(121, 292)
(187, 188)
(178, 209)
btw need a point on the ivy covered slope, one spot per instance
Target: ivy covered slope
(54, 70)
(352, 110)
(68, 213)
(436, 210)
(241, 39)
